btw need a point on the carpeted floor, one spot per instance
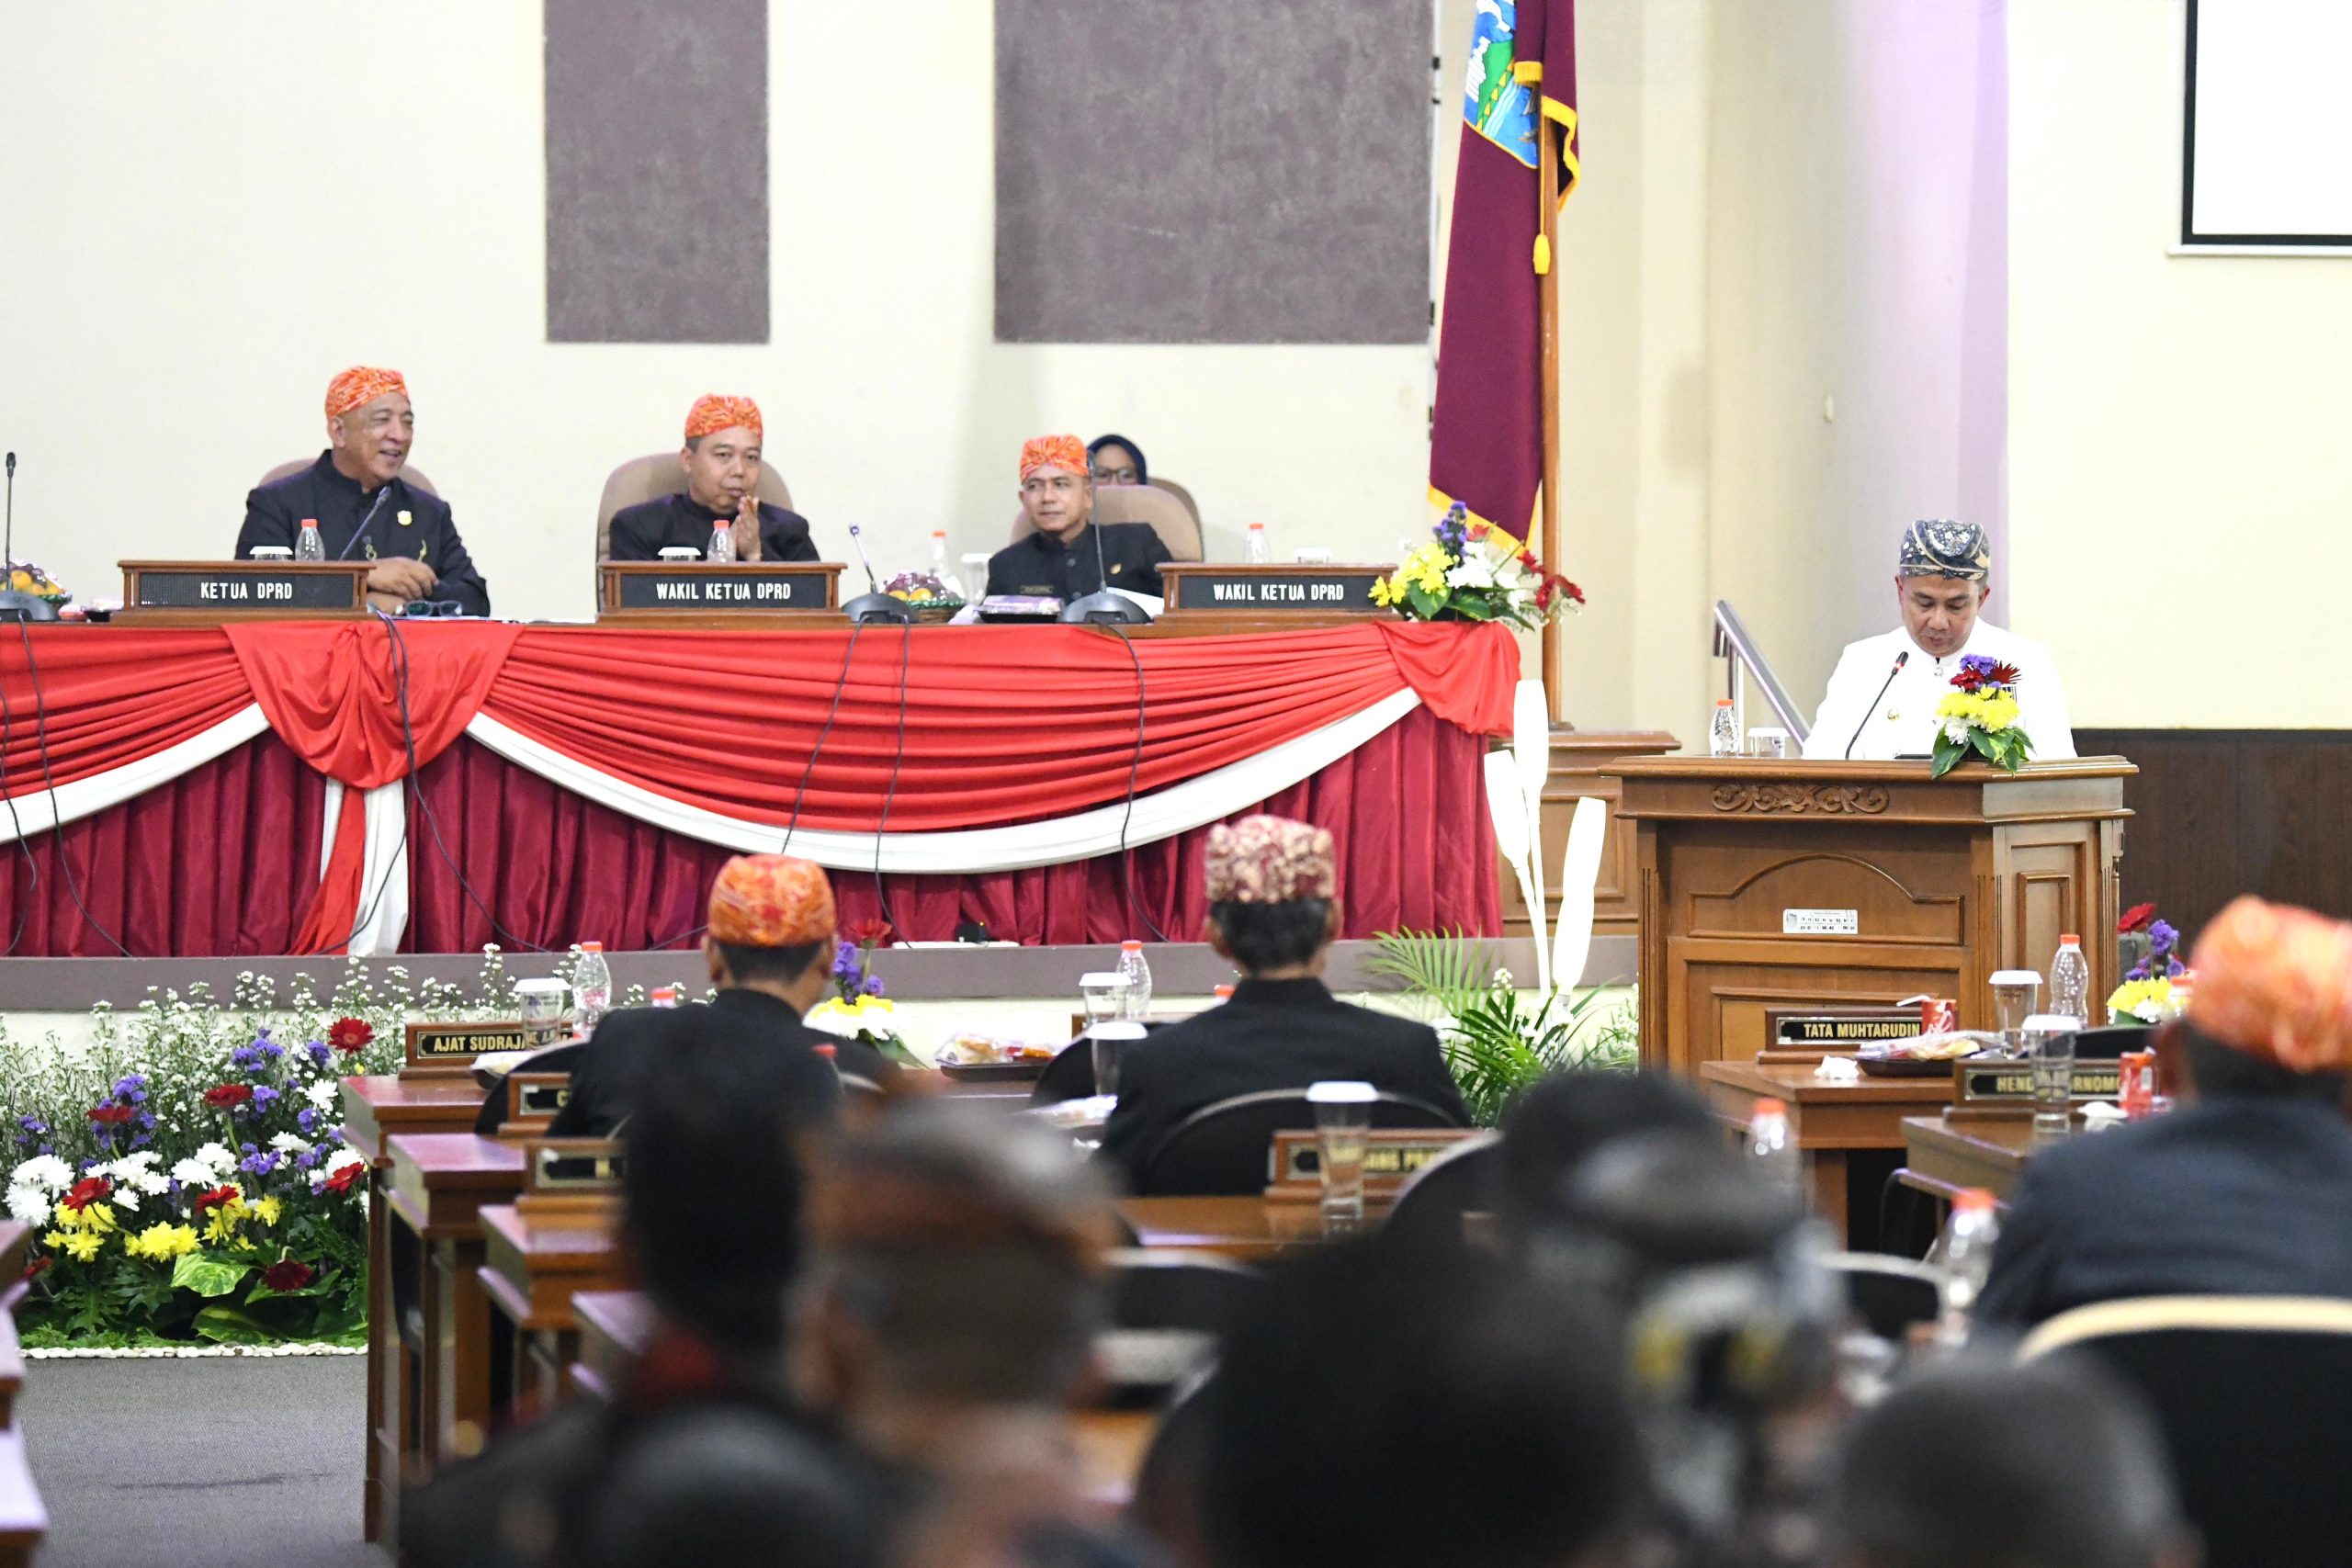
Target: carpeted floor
(225, 1464)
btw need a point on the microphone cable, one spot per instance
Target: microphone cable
(898, 760)
(49, 783)
(1135, 770)
(32, 861)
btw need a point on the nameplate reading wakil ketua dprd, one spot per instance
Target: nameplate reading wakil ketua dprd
(1264, 589)
(655, 587)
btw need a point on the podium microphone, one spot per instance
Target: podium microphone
(15, 604)
(1103, 607)
(1901, 659)
(874, 605)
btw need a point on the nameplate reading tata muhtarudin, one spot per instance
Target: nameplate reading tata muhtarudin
(1326, 589)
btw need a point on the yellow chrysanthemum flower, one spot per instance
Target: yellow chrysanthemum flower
(81, 1245)
(160, 1242)
(267, 1210)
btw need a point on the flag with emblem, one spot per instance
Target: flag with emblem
(1486, 438)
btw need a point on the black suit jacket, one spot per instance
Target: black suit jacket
(1132, 551)
(1271, 1035)
(274, 514)
(678, 521)
(2231, 1196)
(629, 1043)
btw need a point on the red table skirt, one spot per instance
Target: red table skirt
(224, 862)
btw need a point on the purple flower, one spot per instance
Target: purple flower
(141, 1140)
(320, 1054)
(306, 1119)
(2162, 937)
(263, 1095)
(260, 1164)
(245, 1058)
(132, 1088)
(306, 1159)
(873, 985)
(845, 961)
(271, 1050)
(1976, 663)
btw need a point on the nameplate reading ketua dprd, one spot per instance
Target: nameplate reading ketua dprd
(246, 587)
(1273, 589)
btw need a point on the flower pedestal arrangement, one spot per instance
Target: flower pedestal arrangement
(2157, 987)
(858, 1009)
(1980, 718)
(1474, 571)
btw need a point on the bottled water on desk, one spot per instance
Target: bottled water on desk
(2070, 980)
(1259, 551)
(309, 546)
(1967, 1249)
(1723, 733)
(1770, 1147)
(939, 568)
(722, 541)
(1135, 1000)
(591, 988)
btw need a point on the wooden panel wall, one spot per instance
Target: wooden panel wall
(2220, 812)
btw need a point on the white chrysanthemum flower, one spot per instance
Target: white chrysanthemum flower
(347, 1157)
(124, 1198)
(218, 1156)
(137, 1172)
(1956, 731)
(1476, 572)
(287, 1144)
(192, 1172)
(46, 1171)
(29, 1205)
(323, 1094)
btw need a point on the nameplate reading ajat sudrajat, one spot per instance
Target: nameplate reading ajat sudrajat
(457, 1044)
(1273, 589)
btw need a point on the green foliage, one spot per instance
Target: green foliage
(1496, 1042)
(2007, 750)
(210, 1273)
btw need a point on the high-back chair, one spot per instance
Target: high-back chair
(1178, 527)
(1887, 1294)
(1225, 1148)
(1460, 1182)
(653, 477)
(2251, 1392)
(1181, 494)
(408, 474)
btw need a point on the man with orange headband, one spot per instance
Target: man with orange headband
(365, 508)
(2245, 1188)
(770, 949)
(722, 463)
(1058, 559)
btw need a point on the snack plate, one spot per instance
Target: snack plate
(992, 1072)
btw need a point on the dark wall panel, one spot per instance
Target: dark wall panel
(2221, 812)
(657, 134)
(1213, 171)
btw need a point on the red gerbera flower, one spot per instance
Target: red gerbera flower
(213, 1197)
(2003, 675)
(351, 1035)
(870, 933)
(86, 1191)
(38, 1267)
(111, 1115)
(2138, 918)
(343, 1180)
(227, 1095)
(288, 1274)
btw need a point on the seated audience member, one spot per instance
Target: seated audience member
(2052, 1464)
(365, 510)
(1550, 1130)
(1272, 911)
(2244, 1189)
(770, 949)
(946, 1320)
(720, 1488)
(1115, 460)
(1400, 1405)
(722, 463)
(1058, 559)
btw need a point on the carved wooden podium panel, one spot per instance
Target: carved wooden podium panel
(1768, 883)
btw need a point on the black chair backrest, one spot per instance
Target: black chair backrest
(2107, 1044)
(1224, 1149)
(1164, 1288)
(2255, 1420)
(562, 1059)
(1888, 1294)
(1459, 1181)
(1070, 1075)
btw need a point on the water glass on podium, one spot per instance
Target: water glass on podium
(2049, 1038)
(1342, 1120)
(539, 1003)
(2015, 991)
(1103, 991)
(1109, 1041)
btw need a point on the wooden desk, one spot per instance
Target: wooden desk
(535, 1264)
(1945, 1155)
(1247, 1228)
(373, 1109)
(1827, 1120)
(23, 1521)
(436, 1391)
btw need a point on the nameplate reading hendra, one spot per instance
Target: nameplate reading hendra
(717, 588)
(1324, 588)
(2014, 1081)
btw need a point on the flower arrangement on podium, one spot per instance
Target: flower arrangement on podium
(1979, 718)
(1471, 571)
(858, 1008)
(2155, 987)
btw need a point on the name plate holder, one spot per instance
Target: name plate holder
(572, 1175)
(447, 1050)
(2009, 1085)
(1268, 595)
(204, 593)
(1390, 1157)
(679, 592)
(532, 1101)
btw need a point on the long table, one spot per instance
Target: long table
(580, 782)
(1829, 1120)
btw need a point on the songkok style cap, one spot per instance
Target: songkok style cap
(713, 412)
(771, 901)
(359, 386)
(1270, 860)
(2276, 982)
(1066, 452)
(1937, 547)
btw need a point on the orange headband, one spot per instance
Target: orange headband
(2276, 982)
(771, 901)
(1066, 452)
(359, 386)
(714, 412)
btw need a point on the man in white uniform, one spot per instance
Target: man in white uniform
(1875, 710)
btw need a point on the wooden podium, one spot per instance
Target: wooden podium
(1771, 884)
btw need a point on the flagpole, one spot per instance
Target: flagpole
(1547, 199)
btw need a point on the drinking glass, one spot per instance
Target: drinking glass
(540, 1005)
(1766, 742)
(2050, 1038)
(1110, 1042)
(2014, 993)
(1342, 1120)
(1103, 990)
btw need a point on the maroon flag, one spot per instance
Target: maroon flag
(1486, 441)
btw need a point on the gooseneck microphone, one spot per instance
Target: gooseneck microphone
(16, 604)
(364, 522)
(1104, 605)
(1901, 659)
(874, 604)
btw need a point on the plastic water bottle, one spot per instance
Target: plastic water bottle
(939, 568)
(722, 541)
(1259, 551)
(591, 988)
(1723, 733)
(1135, 1000)
(309, 546)
(1967, 1249)
(1770, 1145)
(2070, 980)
